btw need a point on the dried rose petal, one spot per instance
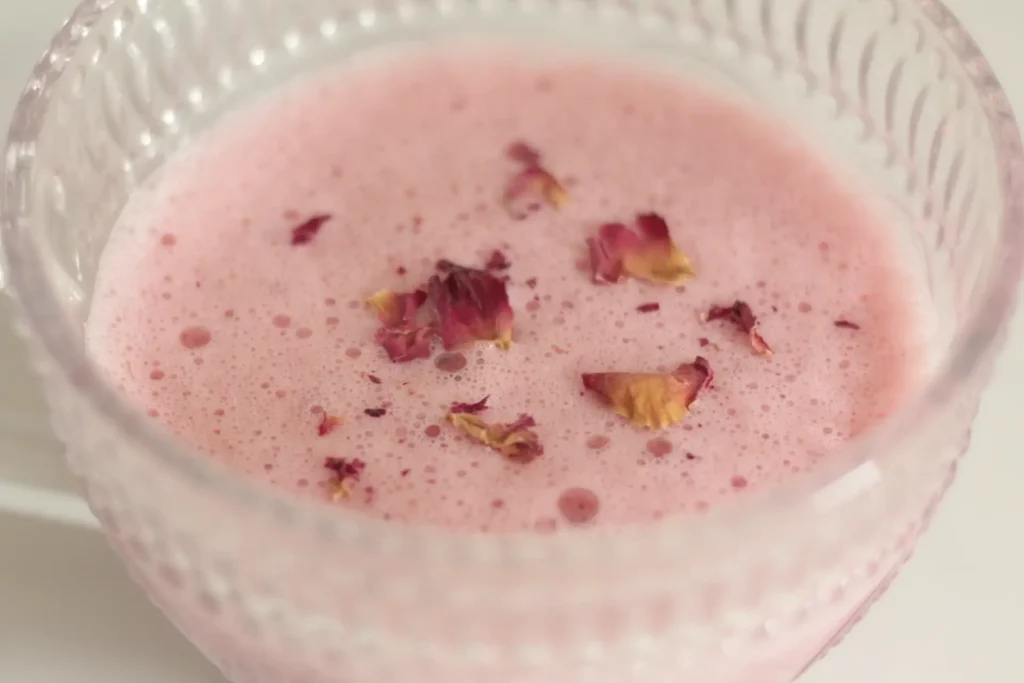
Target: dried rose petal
(530, 189)
(649, 308)
(649, 254)
(304, 232)
(498, 261)
(652, 400)
(846, 325)
(613, 239)
(346, 474)
(523, 153)
(376, 412)
(374, 378)
(533, 186)
(471, 305)
(402, 336)
(698, 373)
(395, 309)
(328, 423)
(470, 408)
(344, 468)
(515, 440)
(740, 315)
(405, 343)
(667, 264)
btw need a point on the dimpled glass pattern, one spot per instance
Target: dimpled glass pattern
(275, 591)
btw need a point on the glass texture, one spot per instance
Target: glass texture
(275, 591)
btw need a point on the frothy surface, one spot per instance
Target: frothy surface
(207, 317)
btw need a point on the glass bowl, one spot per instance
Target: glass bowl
(275, 590)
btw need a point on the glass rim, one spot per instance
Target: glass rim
(26, 263)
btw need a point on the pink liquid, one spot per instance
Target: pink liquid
(233, 338)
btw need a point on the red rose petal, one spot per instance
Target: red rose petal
(529, 190)
(498, 261)
(328, 423)
(654, 228)
(395, 309)
(403, 336)
(516, 440)
(648, 308)
(697, 374)
(470, 305)
(741, 315)
(652, 400)
(523, 153)
(470, 408)
(376, 412)
(344, 467)
(606, 250)
(651, 255)
(533, 186)
(407, 343)
(345, 474)
(304, 232)
(847, 325)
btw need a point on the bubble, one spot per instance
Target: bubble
(659, 447)
(579, 505)
(195, 337)
(450, 362)
(282, 321)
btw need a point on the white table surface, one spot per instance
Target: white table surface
(69, 614)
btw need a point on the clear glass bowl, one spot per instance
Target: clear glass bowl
(275, 590)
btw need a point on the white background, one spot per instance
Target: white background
(68, 613)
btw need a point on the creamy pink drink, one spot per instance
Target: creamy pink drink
(231, 300)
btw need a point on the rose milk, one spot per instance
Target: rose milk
(238, 341)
